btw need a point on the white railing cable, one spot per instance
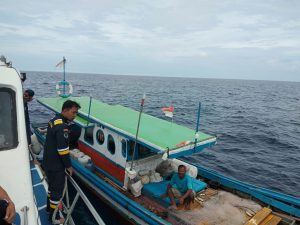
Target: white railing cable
(71, 207)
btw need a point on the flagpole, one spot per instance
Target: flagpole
(137, 130)
(90, 105)
(197, 126)
(64, 62)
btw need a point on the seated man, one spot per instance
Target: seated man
(180, 187)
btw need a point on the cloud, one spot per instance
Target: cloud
(153, 32)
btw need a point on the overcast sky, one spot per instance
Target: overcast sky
(251, 39)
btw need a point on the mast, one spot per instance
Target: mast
(64, 68)
(137, 130)
(61, 87)
(197, 126)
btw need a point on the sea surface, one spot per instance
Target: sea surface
(257, 123)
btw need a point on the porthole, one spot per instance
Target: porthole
(100, 137)
(111, 144)
(88, 135)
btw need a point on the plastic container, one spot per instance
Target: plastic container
(73, 152)
(136, 188)
(35, 145)
(78, 155)
(84, 160)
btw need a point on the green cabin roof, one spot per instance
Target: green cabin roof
(155, 132)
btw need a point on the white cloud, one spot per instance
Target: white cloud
(154, 31)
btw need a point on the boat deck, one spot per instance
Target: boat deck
(40, 193)
(210, 207)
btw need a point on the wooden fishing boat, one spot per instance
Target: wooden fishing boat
(127, 157)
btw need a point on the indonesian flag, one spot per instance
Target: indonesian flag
(61, 63)
(168, 111)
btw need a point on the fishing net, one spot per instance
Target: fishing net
(222, 208)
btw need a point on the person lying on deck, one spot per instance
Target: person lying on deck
(180, 187)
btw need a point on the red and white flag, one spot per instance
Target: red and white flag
(61, 63)
(168, 111)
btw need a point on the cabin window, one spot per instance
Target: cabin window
(124, 148)
(8, 119)
(100, 137)
(88, 135)
(140, 152)
(111, 144)
(144, 152)
(130, 150)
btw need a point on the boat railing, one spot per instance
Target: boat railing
(69, 207)
(25, 214)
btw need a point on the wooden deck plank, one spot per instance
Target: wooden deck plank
(267, 220)
(259, 216)
(274, 221)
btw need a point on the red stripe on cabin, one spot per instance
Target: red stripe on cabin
(103, 163)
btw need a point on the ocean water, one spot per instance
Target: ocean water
(257, 123)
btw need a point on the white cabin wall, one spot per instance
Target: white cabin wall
(119, 157)
(146, 164)
(15, 176)
(102, 148)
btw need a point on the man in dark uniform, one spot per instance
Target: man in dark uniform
(27, 97)
(56, 155)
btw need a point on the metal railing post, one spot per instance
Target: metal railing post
(85, 200)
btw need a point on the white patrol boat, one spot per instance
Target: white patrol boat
(21, 178)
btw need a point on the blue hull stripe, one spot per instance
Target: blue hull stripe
(191, 151)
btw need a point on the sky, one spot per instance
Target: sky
(231, 39)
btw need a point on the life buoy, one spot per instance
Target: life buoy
(183, 143)
(61, 85)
